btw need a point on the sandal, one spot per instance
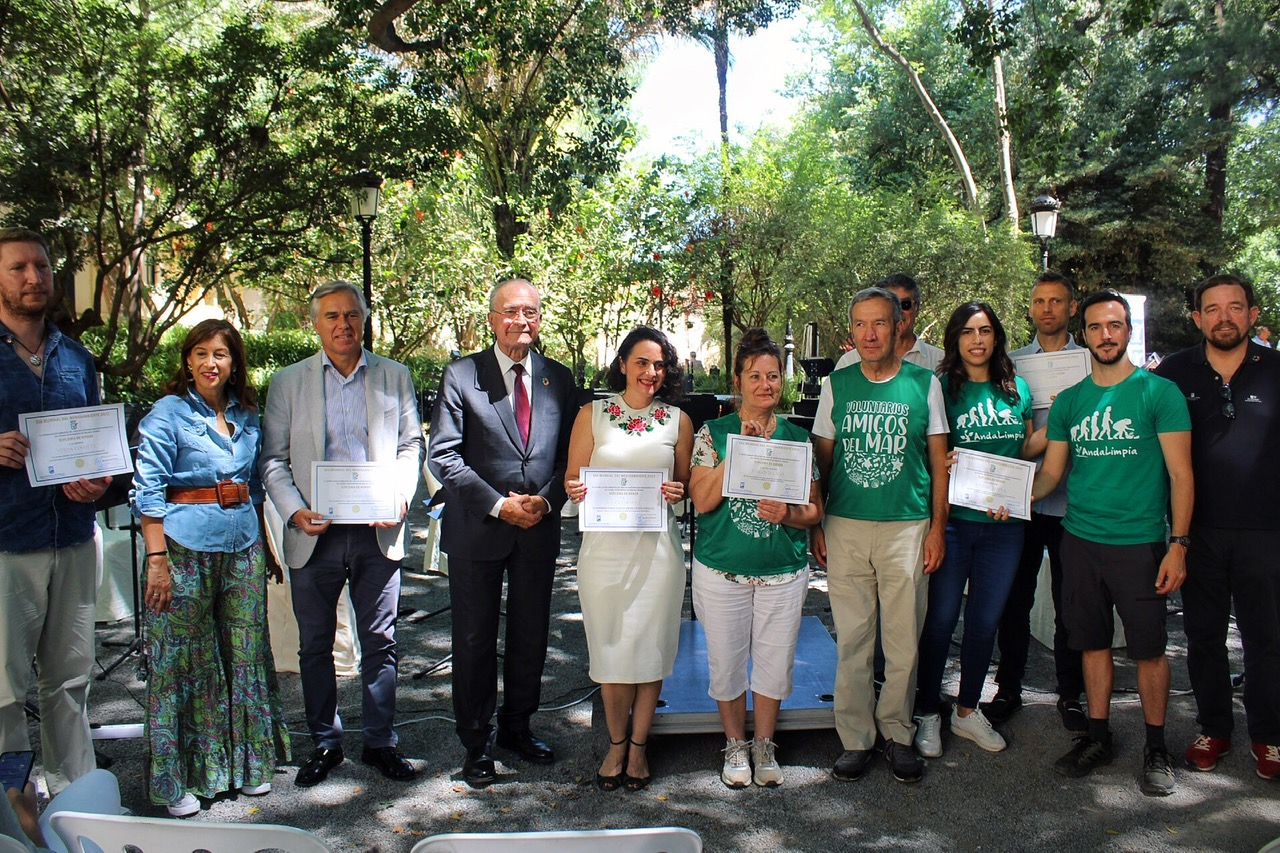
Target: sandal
(612, 783)
(636, 783)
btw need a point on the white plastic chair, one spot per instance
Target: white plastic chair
(124, 833)
(12, 845)
(658, 839)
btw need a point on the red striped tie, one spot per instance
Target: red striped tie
(521, 405)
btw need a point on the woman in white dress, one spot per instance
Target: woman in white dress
(631, 585)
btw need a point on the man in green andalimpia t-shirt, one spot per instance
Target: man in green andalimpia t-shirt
(1128, 435)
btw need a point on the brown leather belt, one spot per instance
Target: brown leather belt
(225, 494)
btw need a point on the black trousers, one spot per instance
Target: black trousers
(1241, 566)
(1014, 637)
(475, 588)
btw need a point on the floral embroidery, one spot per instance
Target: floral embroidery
(636, 424)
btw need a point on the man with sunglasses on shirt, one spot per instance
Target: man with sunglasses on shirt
(1232, 386)
(910, 347)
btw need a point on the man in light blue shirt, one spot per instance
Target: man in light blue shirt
(1053, 304)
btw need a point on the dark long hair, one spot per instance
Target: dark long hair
(239, 381)
(952, 368)
(672, 388)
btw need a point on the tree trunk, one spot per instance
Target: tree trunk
(935, 115)
(1215, 159)
(1004, 144)
(723, 250)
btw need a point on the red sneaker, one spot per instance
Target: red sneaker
(1205, 752)
(1268, 756)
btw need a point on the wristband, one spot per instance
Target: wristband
(151, 554)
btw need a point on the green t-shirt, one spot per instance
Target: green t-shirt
(732, 537)
(879, 469)
(1119, 487)
(982, 418)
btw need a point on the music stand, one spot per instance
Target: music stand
(117, 496)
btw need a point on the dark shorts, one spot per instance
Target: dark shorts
(1097, 577)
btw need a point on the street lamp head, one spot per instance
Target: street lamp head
(1044, 216)
(365, 192)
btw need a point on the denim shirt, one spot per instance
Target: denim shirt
(33, 519)
(181, 446)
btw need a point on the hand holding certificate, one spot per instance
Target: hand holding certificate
(1049, 373)
(619, 499)
(984, 481)
(767, 469)
(70, 444)
(354, 492)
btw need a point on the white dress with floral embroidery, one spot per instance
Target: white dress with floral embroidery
(631, 585)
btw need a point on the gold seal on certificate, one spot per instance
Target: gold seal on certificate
(354, 492)
(621, 500)
(985, 481)
(773, 469)
(67, 444)
(1048, 374)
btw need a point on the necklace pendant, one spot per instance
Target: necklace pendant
(36, 361)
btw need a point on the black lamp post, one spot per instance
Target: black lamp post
(1044, 222)
(364, 207)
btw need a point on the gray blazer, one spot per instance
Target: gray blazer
(477, 455)
(293, 438)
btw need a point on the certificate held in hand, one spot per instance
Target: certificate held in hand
(354, 492)
(1048, 374)
(985, 481)
(623, 500)
(767, 469)
(68, 444)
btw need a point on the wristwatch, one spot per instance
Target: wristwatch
(1184, 541)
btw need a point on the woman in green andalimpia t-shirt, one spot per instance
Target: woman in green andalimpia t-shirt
(988, 410)
(750, 569)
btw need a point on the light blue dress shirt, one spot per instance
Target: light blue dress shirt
(346, 413)
(181, 446)
(1054, 503)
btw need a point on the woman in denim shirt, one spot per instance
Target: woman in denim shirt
(214, 721)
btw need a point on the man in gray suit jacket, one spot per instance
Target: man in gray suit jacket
(343, 404)
(499, 446)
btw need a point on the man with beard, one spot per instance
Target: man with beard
(47, 555)
(1232, 386)
(880, 440)
(1053, 304)
(1128, 436)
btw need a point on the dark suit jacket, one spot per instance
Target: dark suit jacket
(476, 454)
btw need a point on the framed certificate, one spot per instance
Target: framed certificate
(67, 444)
(985, 481)
(354, 492)
(1049, 373)
(758, 468)
(623, 500)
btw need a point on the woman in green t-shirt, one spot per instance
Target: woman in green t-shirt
(989, 410)
(750, 569)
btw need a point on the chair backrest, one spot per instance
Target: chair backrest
(12, 845)
(659, 839)
(125, 833)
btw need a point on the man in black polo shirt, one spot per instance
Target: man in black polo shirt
(1232, 386)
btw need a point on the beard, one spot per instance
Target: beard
(26, 307)
(1121, 352)
(1225, 337)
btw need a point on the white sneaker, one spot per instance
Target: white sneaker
(737, 763)
(977, 728)
(256, 790)
(767, 773)
(184, 807)
(929, 735)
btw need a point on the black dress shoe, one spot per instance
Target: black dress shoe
(317, 768)
(527, 746)
(477, 767)
(389, 761)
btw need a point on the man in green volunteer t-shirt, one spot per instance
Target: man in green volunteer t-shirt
(881, 445)
(1128, 435)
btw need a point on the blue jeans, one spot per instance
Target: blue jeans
(985, 556)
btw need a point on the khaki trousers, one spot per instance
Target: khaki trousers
(46, 613)
(875, 569)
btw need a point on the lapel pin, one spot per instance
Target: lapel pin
(546, 382)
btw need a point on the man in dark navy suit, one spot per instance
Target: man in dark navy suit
(499, 445)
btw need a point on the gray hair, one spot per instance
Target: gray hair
(878, 293)
(332, 287)
(493, 292)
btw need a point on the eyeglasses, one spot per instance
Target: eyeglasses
(513, 313)
(1228, 407)
(907, 304)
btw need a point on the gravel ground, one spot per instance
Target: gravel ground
(968, 800)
